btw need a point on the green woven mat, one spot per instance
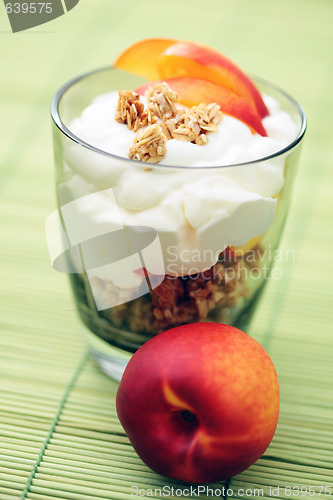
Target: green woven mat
(59, 434)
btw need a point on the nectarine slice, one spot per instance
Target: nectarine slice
(192, 59)
(193, 91)
(141, 57)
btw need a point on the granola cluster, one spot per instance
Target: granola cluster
(162, 101)
(193, 125)
(131, 110)
(149, 145)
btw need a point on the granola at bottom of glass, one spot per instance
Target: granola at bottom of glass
(213, 295)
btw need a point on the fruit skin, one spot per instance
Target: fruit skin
(218, 373)
(141, 57)
(193, 59)
(193, 91)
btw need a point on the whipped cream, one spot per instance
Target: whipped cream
(197, 211)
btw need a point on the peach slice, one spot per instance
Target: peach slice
(192, 59)
(193, 91)
(141, 57)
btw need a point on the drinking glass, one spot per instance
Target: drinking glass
(125, 278)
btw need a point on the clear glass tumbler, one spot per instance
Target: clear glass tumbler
(126, 279)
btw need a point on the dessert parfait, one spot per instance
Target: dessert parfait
(199, 153)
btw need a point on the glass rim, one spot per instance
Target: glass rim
(55, 114)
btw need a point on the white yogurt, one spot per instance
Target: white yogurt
(197, 212)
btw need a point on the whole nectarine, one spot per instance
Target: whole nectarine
(199, 402)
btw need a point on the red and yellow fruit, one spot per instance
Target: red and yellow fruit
(199, 402)
(199, 74)
(141, 57)
(193, 91)
(193, 59)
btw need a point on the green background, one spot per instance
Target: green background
(59, 435)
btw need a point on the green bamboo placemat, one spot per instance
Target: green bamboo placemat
(59, 434)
